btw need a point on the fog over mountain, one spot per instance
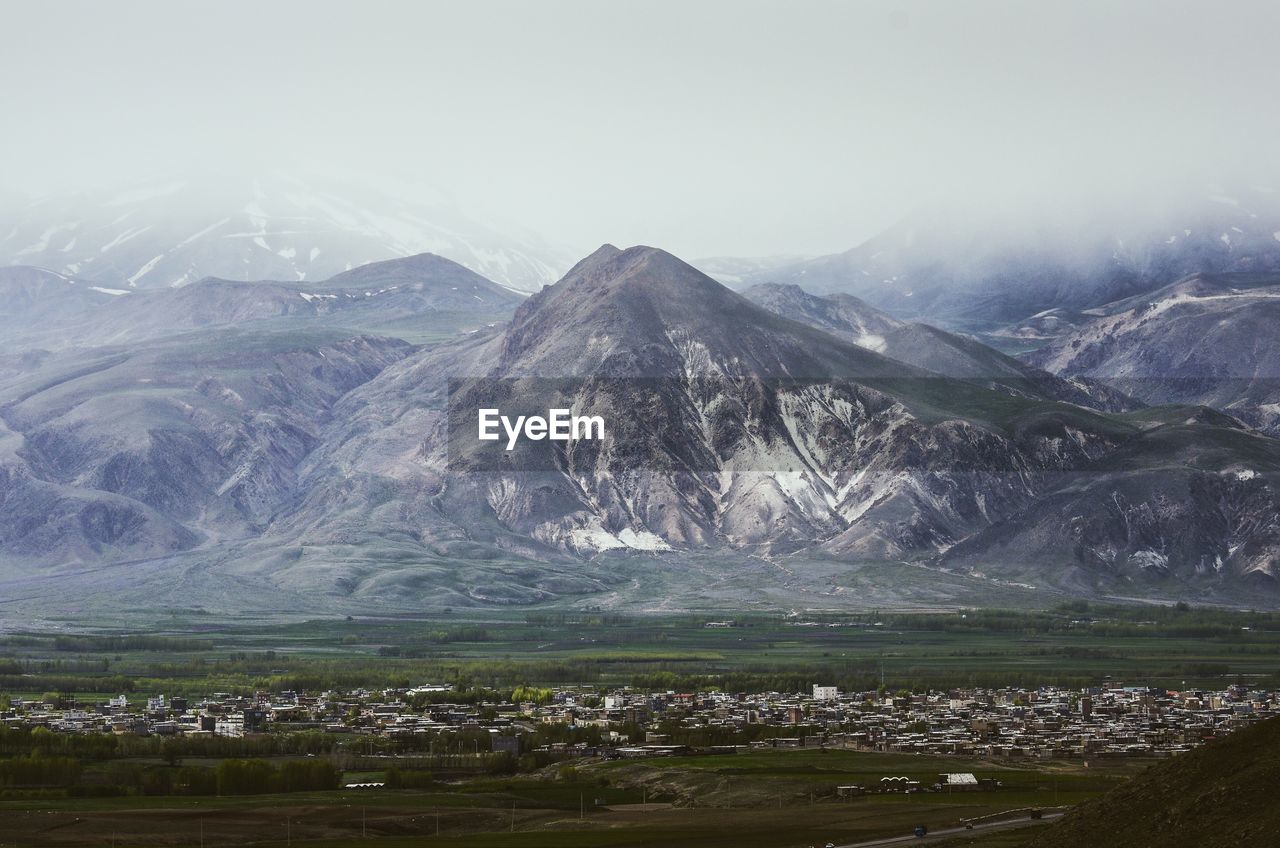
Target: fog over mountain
(1012, 273)
(721, 129)
(169, 233)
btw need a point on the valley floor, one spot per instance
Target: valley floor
(772, 799)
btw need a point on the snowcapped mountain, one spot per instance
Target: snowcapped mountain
(172, 233)
(982, 273)
(1192, 501)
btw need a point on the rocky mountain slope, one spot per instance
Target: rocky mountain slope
(841, 315)
(274, 227)
(936, 350)
(124, 453)
(1211, 339)
(1194, 499)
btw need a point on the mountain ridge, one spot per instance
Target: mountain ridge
(1207, 339)
(331, 466)
(386, 297)
(931, 348)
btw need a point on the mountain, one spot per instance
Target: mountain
(1211, 339)
(653, 339)
(924, 346)
(732, 429)
(121, 453)
(1215, 796)
(985, 272)
(437, 282)
(242, 466)
(271, 228)
(1192, 501)
(418, 298)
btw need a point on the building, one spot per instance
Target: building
(505, 745)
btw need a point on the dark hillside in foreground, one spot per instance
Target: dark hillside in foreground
(1221, 795)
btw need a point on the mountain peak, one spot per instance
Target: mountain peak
(423, 270)
(614, 264)
(643, 311)
(416, 262)
(639, 284)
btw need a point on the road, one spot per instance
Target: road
(947, 833)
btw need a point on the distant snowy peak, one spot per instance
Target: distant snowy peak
(173, 233)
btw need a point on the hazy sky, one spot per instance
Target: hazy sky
(742, 128)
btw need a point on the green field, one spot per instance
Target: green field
(1075, 645)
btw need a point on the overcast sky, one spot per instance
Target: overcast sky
(709, 128)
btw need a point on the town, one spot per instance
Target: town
(1112, 720)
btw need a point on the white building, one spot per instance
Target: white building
(231, 725)
(825, 693)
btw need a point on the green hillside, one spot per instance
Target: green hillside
(1222, 794)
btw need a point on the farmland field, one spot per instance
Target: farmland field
(1074, 645)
